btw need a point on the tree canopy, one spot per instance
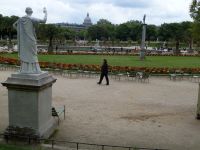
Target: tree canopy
(195, 14)
(195, 10)
(104, 30)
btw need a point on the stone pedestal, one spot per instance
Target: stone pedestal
(142, 54)
(30, 102)
(198, 105)
(142, 51)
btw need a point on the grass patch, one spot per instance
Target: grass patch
(151, 61)
(12, 147)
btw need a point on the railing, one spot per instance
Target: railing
(77, 145)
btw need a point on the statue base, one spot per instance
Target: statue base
(198, 117)
(30, 102)
(142, 55)
(198, 105)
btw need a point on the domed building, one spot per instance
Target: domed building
(78, 27)
(87, 21)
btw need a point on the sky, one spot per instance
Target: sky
(116, 11)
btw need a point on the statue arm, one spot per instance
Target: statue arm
(15, 25)
(41, 20)
(45, 15)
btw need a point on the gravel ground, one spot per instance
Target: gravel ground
(158, 114)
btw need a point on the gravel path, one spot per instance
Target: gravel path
(158, 114)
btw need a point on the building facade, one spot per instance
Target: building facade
(86, 23)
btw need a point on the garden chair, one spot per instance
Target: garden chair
(56, 112)
(142, 76)
(131, 75)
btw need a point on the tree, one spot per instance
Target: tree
(108, 28)
(48, 31)
(103, 22)
(81, 34)
(103, 30)
(152, 33)
(195, 10)
(171, 31)
(1, 25)
(187, 33)
(7, 29)
(195, 14)
(94, 32)
(135, 30)
(196, 32)
(122, 32)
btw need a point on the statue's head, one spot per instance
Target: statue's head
(29, 11)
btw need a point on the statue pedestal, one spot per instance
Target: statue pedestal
(30, 102)
(142, 55)
(198, 105)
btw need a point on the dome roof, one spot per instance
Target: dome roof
(87, 20)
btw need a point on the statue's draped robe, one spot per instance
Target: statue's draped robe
(27, 45)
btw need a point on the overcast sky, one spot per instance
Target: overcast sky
(116, 11)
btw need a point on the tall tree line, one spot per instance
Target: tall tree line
(195, 14)
(105, 30)
(183, 32)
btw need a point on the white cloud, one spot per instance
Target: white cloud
(74, 11)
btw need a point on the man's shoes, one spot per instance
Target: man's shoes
(107, 84)
(98, 83)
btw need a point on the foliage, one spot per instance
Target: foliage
(105, 31)
(195, 14)
(196, 31)
(6, 28)
(176, 32)
(195, 10)
(48, 31)
(12, 147)
(152, 32)
(135, 28)
(122, 32)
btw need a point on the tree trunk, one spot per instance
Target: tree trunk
(50, 47)
(166, 45)
(191, 45)
(10, 46)
(177, 51)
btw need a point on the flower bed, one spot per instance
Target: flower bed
(64, 66)
(107, 54)
(9, 61)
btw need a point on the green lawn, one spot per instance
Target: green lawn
(12, 147)
(151, 61)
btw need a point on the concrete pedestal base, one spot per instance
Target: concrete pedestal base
(142, 55)
(198, 105)
(30, 102)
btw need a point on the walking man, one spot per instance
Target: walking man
(104, 72)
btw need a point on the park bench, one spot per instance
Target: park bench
(56, 112)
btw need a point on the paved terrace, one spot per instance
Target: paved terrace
(158, 114)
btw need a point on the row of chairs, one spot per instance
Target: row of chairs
(72, 73)
(134, 75)
(137, 76)
(180, 75)
(5, 67)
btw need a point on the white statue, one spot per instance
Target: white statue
(144, 18)
(26, 37)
